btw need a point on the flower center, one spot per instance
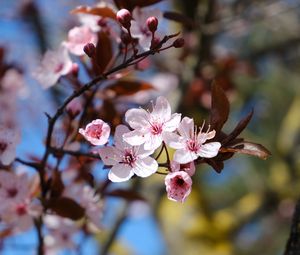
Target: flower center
(95, 131)
(193, 145)
(58, 68)
(179, 181)
(11, 193)
(21, 209)
(129, 158)
(3, 147)
(156, 128)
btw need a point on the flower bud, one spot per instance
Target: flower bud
(178, 43)
(75, 69)
(89, 49)
(154, 43)
(74, 108)
(152, 23)
(124, 18)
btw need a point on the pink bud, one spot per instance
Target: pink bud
(74, 107)
(89, 49)
(124, 18)
(152, 23)
(75, 69)
(178, 43)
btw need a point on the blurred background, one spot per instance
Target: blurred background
(252, 49)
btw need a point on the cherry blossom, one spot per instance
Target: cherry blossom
(78, 37)
(13, 188)
(54, 65)
(127, 160)
(178, 185)
(60, 235)
(88, 199)
(13, 82)
(20, 216)
(149, 127)
(189, 145)
(97, 132)
(139, 27)
(9, 139)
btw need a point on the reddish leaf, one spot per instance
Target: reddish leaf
(65, 207)
(249, 148)
(125, 194)
(103, 53)
(105, 12)
(219, 108)
(216, 165)
(127, 88)
(178, 17)
(238, 129)
(110, 114)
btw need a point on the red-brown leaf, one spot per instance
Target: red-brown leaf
(105, 11)
(103, 53)
(131, 4)
(127, 88)
(130, 195)
(57, 185)
(219, 108)
(253, 149)
(66, 207)
(238, 129)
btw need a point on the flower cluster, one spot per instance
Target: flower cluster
(131, 153)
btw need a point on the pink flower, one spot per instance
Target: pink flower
(189, 168)
(97, 132)
(127, 160)
(54, 65)
(178, 185)
(78, 37)
(88, 199)
(150, 127)
(189, 145)
(8, 142)
(139, 27)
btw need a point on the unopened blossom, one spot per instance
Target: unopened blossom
(178, 185)
(74, 107)
(189, 168)
(190, 144)
(149, 127)
(78, 37)
(9, 138)
(127, 160)
(97, 132)
(139, 25)
(54, 65)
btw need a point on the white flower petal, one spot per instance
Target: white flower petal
(202, 137)
(184, 156)
(110, 155)
(172, 124)
(120, 173)
(120, 131)
(209, 150)
(173, 140)
(153, 142)
(162, 109)
(137, 118)
(186, 127)
(145, 167)
(135, 137)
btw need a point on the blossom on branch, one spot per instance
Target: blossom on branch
(127, 160)
(189, 144)
(8, 141)
(149, 127)
(78, 37)
(178, 185)
(97, 132)
(54, 65)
